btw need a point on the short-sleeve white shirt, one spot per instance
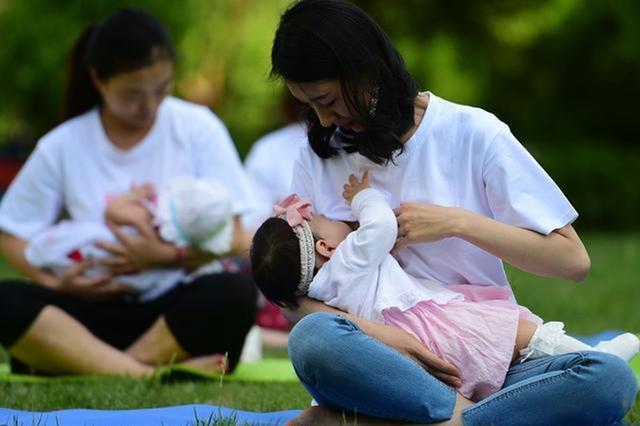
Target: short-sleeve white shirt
(459, 156)
(269, 165)
(76, 169)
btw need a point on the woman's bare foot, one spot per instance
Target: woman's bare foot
(216, 363)
(321, 415)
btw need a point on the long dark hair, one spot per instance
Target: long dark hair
(275, 262)
(127, 40)
(329, 39)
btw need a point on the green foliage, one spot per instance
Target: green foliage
(554, 70)
(608, 299)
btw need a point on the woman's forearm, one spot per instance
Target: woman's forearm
(241, 240)
(403, 342)
(383, 333)
(12, 249)
(560, 254)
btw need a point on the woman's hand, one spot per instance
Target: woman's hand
(136, 252)
(423, 223)
(98, 287)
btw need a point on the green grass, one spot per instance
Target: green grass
(609, 298)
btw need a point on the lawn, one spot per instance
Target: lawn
(608, 299)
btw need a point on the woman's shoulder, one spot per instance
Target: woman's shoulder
(466, 119)
(66, 134)
(189, 112)
(283, 142)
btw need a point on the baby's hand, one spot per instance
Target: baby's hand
(127, 210)
(354, 186)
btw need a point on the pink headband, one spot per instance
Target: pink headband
(295, 210)
(297, 213)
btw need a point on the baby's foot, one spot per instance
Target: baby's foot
(626, 346)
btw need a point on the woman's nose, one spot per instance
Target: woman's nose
(325, 115)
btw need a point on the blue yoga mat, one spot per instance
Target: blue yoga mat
(167, 416)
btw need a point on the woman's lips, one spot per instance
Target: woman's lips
(346, 125)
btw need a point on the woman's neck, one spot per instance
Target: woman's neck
(120, 134)
(420, 108)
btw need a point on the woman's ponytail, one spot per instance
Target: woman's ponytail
(80, 95)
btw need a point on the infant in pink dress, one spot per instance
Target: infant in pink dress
(481, 330)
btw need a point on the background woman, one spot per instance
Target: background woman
(122, 129)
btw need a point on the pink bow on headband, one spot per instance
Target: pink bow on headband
(296, 211)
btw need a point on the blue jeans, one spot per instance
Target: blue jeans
(344, 368)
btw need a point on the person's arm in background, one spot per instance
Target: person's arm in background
(72, 281)
(13, 249)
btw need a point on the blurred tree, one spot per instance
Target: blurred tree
(562, 73)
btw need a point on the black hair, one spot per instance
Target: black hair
(127, 40)
(334, 39)
(275, 262)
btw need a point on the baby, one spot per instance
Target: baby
(189, 212)
(296, 254)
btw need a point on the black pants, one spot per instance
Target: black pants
(210, 315)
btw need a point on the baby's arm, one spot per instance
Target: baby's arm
(128, 209)
(378, 230)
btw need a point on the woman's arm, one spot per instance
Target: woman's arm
(146, 249)
(393, 337)
(560, 254)
(72, 281)
(13, 249)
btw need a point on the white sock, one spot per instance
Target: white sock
(626, 346)
(550, 339)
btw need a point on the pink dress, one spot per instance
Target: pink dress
(477, 334)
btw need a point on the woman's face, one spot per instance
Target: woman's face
(325, 97)
(133, 97)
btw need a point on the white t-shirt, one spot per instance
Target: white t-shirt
(361, 277)
(76, 169)
(269, 165)
(459, 156)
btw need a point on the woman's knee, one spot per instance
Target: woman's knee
(612, 383)
(315, 337)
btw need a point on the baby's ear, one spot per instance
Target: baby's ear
(324, 248)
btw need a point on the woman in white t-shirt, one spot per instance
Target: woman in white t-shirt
(122, 129)
(467, 196)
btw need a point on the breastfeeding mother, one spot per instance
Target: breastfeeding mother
(467, 197)
(122, 129)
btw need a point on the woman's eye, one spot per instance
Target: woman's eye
(328, 104)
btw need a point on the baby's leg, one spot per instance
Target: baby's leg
(550, 339)
(526, 329)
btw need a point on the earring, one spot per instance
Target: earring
(373, 104)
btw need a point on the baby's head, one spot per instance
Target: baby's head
(196, 213)
(288, 249)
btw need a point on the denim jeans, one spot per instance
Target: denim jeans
(342, 367)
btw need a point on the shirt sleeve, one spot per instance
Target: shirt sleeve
(302, 183)
(518, 189)
(216, 157)
(34, 199)
(265, 191)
